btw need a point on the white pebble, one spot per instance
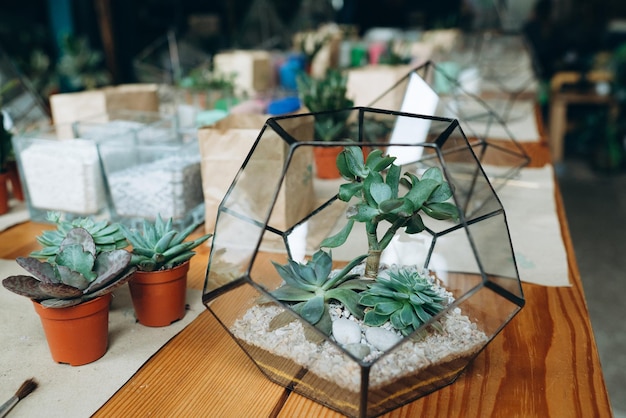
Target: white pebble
(381, 338)
(358, 350)
(346, 331)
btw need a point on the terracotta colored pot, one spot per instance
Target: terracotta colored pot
(79, 334)
(326, 162)
(4, 193)
(14, 180)
(159, 296)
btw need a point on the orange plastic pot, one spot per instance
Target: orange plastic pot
(78, 334)
(326, 162)
(14, 180)
(159, 296)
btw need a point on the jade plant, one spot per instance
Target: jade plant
(77, 272)
(159, 246)
(310, 287)
(378, 200)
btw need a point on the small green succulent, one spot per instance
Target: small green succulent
(158, 246)
(309, 287)
(106, 237)
(75, 274)
(323, 95)
(379, 200)
(406, 299)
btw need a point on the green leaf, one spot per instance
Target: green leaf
(73, 278)
(387, 307)
(415, 224)
(322, 264)
(342, 166)
(342, 275)
(421, 191)
(368, 183)
(393, 179)
(433, 173)
(287, 274)
(374, 158)
(307, 273)
(373, 319)
(313, 309)
(441, 211)
(389, 206)
(291, 294)
(421, 313)
(348, 298)
(407, 316)
(364, 213)
(149, 233)
(339, 238)
(75, 258)
(380, 192)
(440, 194)
(354, 160)
(396, 321)
(383, 164)
(348, 190)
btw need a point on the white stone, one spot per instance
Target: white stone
(346, 331)
(381, 338)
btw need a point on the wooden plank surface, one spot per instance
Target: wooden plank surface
(544, 363)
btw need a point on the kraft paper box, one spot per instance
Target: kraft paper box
(224, 147)
(253, 70)
(368, 83)
(67, 108)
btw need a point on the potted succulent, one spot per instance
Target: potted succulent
(71, 287)
(161, 256)
(208, 89)
(385, 291)
(324, 97)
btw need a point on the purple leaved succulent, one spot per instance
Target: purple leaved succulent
(74, 275)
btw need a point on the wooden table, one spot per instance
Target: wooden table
(543, 364)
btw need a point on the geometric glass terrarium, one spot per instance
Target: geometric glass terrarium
(266, 230)
(431, 90)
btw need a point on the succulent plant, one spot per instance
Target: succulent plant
(379, 200)
(75, 274)
(309, 287)
(406, 299)
(106, 236)
(158, 246)
(326, 94)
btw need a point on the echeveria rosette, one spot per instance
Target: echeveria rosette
(106, 237)
(309, 287)
(77, 273)
(406, 299)
(379, 199)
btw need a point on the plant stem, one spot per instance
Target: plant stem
(372, 263)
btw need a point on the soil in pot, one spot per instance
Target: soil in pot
(159, 296)
(78, 334)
